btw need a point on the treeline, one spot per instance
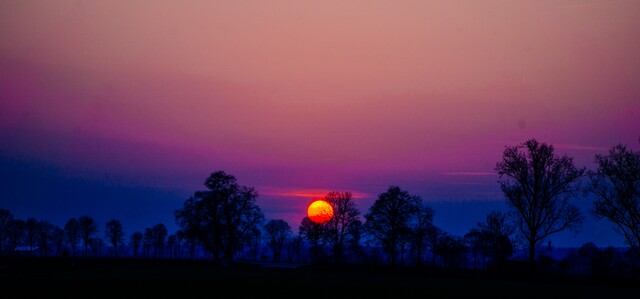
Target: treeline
(223, 223)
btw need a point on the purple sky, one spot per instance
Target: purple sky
(297, 99)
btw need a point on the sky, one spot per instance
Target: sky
(121, 109)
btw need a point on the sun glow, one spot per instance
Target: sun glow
(320, 211)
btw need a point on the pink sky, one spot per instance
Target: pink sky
(292, 96)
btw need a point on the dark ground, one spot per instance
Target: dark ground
(117, 278)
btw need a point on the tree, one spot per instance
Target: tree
(345, 215)
(87, 227)
(616, 184)
(221, 216)
(450, 249)
(159, 237)
(5, 219)
(276, 231)
(538, 185)
(492, 237)
(314, 233)
(31, 233)
(57, 236)
(135, 240)
(388, 220)
(114, 233)
(72, 234)
(44, 235)
(15, 233)
(420, 229)
(172, 242)
(147, 241)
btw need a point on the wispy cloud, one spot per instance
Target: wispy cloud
(307, 193)
(470, 173)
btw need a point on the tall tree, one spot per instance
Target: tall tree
(616, 184)
(420, 228)
(314, 233)
(221, 216)
(87, 227)
(345, 215)
(135, 240)
(539, 185)
(147, 241)
(114, 233)
(492, 237)
(5, 219)
(72, 234)
(15, 233)
(159, 237)
(57, 237)
(44, 236)
(389, 219)
(31, 233)
(276, 232)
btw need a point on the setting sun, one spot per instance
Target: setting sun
(320, 211)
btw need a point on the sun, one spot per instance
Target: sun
(320, 211)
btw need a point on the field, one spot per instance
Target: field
(34, 277)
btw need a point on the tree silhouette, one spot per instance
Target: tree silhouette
(616, 183)
(172, 242)
(135, 240)
(314, 233)
(337, 229)
(57, 237)
(147, 241)
(5, 219)
(492, 237)
(276, 231)
(420, 229)
(44, 236)
(113, 232)
(87, 227)
(450, 249)
(15, 233)
(222, 216)
(159, 237)
(538, 186)
(72, 234)
(388, 220)
(31, 233)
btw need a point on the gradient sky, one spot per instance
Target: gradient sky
(121, 109)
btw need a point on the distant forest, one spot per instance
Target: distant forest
(223, 224)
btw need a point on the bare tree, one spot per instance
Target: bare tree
(135, 241)
(345, 215)
(147, 241)
(222, 216)
(15, 233)
(616, 183)
(114, 233)
(314, 233)
(87, 227)
(420, 229)
(72, 234)
(538, 186)
(31, 233)
(5, 219)
(388, 220)
(45, 231)
(492, 237)
(276, 232)
(172, 242)
(57, 237)
(159, 237)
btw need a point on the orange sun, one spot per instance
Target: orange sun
(320, 211)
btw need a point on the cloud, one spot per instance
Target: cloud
(470, 173)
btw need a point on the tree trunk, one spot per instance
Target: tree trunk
(532, 255)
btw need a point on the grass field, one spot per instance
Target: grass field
(39, 277)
